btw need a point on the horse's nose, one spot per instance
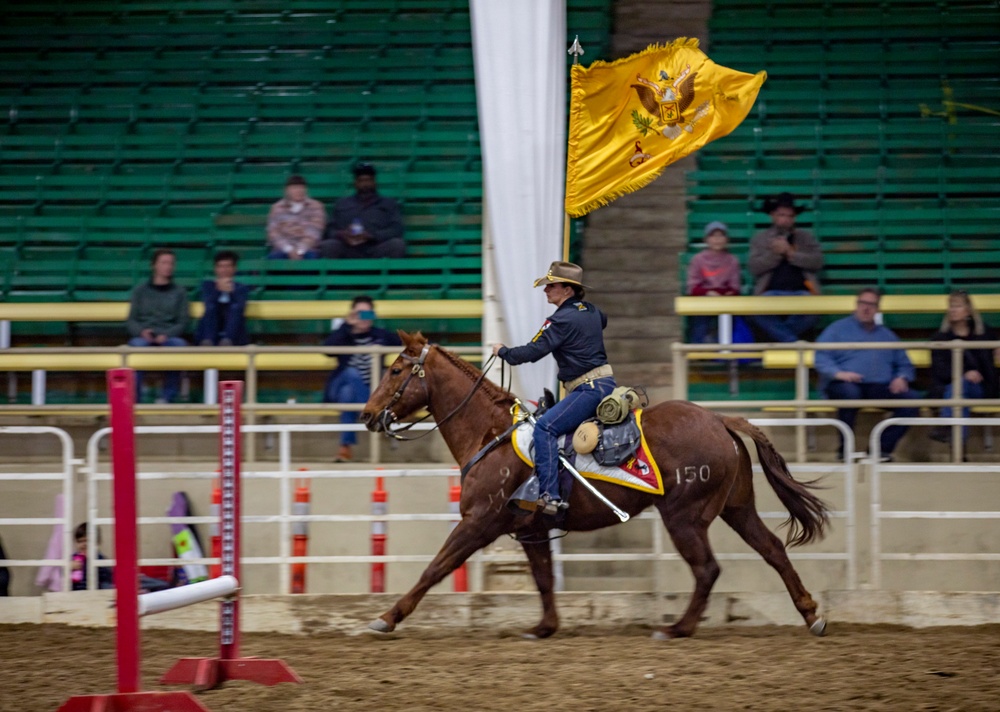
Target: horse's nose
(370, 420)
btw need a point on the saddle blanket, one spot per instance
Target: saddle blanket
(638, 472)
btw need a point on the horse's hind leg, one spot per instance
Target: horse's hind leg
(471, 535)
(540, 558)
(691, 541)
(746, 522)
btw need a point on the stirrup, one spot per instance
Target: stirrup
(552, 505)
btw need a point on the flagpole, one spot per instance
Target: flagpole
(576, 50)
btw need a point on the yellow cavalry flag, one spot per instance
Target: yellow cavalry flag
(631, 118)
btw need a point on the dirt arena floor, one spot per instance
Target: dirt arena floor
(768, 668)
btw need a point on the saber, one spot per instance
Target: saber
(622, 515)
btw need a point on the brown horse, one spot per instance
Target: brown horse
(683, 438)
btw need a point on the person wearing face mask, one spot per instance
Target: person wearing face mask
(351, 380)
(366, 224)
(295, 223)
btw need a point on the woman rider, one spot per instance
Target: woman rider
(573, 335)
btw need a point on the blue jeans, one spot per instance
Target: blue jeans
(346, 386)
(564, 417)
(843, 390)
(969, 390)
(701, 329)
(171, 379)
(784, 328)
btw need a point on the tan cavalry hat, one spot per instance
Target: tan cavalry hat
(562, 272)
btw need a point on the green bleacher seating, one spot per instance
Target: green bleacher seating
(137, 124)
(869, 115)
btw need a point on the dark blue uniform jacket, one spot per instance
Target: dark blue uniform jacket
(573, 335)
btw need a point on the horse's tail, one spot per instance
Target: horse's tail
(808, 514)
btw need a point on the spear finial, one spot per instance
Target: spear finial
(576, 49)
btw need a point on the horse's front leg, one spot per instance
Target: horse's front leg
(476, 530)
(540, 558)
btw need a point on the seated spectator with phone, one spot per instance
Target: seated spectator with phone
(350, 381)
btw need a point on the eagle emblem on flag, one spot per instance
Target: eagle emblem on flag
(631, 118)
(667, 103)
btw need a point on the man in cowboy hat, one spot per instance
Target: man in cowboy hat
(784, 260)
(574, 336)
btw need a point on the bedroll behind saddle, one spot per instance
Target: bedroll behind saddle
(614, 408)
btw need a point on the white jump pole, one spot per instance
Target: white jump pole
(173, 598)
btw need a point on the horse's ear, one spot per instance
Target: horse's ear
(403, 336)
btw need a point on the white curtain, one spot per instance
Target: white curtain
(519, 47)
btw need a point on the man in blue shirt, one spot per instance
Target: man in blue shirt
(853, 374)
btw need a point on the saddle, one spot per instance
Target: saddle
(611, 438)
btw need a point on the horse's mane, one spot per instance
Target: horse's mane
(499, 395)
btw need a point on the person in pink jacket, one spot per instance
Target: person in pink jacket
(713, 272)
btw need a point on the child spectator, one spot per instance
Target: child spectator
(78, 570)
(224, 321)
(713, 272)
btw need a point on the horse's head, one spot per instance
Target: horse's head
(403, 389)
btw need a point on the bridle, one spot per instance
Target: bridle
(387, 418)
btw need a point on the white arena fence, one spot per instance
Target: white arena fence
(841, 478)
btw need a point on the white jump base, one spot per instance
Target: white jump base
(350, 613)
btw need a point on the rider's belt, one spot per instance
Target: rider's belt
(591, 375)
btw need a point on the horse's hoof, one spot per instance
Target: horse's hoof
(660, 635)
(380, 626)
(530, 636)
(818, 628)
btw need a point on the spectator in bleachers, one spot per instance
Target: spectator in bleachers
(855, 374)
(350, 381)
(784, 261)
(979, 373)
(295, 223)
(366, 224)
(224, 321)
(713, 272)
(157, 316)
(78, 567)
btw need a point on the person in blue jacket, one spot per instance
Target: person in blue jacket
(855, 374)
(574, 335)
(350, 381)
(224, 321)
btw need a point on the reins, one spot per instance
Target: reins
(418, 370)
